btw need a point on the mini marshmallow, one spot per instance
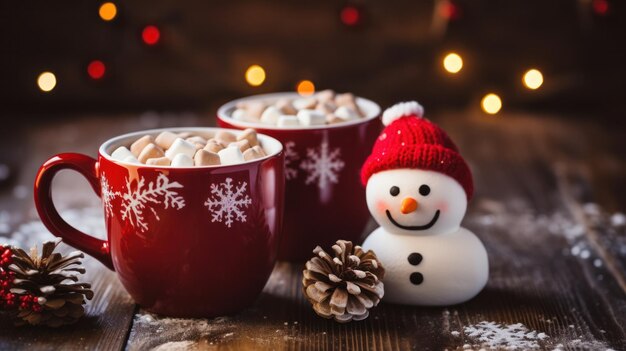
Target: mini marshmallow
(243, 145)
(131, 159)
(213, 146)
(150, 151)
(304, 103)
(239, 114)
(180, 146)
(325, 95)
(140, 144)
(287, 121)
(165, 139)
(311, 117)
(346, 113)
(270, 115)
(230, 155)
(255, 109)
(260, 150)
(196, 139)
(182, 160)
(285, 107)
(344, 99)
(250, 135)
(225, 137)
(332, 119)
(121, 153)
(206, 158)
(349, 100)
(161, 161)
(251, 154)
(184, 135)
(326, 107)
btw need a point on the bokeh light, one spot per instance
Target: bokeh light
(305, 88)
(600, 7)
(107, 11)
(151, 35)
(96, 69)
(350, 15)
(533, 79)
(491, 103)
(46, 81)
(453, 63)
(449, 10)
(255, 75)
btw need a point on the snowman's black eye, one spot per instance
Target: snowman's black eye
(394, 191)
(424, 190)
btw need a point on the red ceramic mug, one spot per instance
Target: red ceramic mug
(185, 242)
(324, 199)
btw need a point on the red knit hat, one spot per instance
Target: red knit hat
(410, 141)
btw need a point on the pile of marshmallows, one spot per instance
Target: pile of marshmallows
(188, 150)
(322, 108)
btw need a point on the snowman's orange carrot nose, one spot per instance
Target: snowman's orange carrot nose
(408, 205)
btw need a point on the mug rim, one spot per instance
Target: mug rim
(117, 141)
(223, 113)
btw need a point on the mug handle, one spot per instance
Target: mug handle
(88, 168)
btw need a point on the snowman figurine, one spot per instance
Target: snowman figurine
(417, 187)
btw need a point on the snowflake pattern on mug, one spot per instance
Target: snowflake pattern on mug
(227, 204)
(322, 165)
(162, 191)
(291, 156)
(107, 194)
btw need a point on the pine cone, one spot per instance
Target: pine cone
(39, 289)
(344, 287)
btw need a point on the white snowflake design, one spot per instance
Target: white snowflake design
(107, 194)
(161, 191)
(291, 156)
(322, 165)
(228, 203)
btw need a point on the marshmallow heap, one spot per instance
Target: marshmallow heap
(188, 150)
(324, 107)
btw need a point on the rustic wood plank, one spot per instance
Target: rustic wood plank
(535, 278)
(557, 263)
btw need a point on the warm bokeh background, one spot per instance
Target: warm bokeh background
(384, 50)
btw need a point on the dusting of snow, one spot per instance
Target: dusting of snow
(618, 219)
(5, 222)
(20, 191)
(291, 156)
(228, 204)
(488, 335)
(510, 337)
(160, 191)
(322, 165)
(523, 221)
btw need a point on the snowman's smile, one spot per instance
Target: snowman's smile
(414, 227)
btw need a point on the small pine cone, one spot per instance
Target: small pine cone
(346, 286)
(46, 288)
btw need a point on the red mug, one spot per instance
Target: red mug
(185, 242)
(324, 199)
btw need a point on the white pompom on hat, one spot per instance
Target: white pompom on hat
(402, 109)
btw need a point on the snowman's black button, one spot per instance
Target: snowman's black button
(415, 258)
(416, 278)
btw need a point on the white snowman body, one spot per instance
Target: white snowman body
(429, 258)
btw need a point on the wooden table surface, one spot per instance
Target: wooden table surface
(549, 200)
